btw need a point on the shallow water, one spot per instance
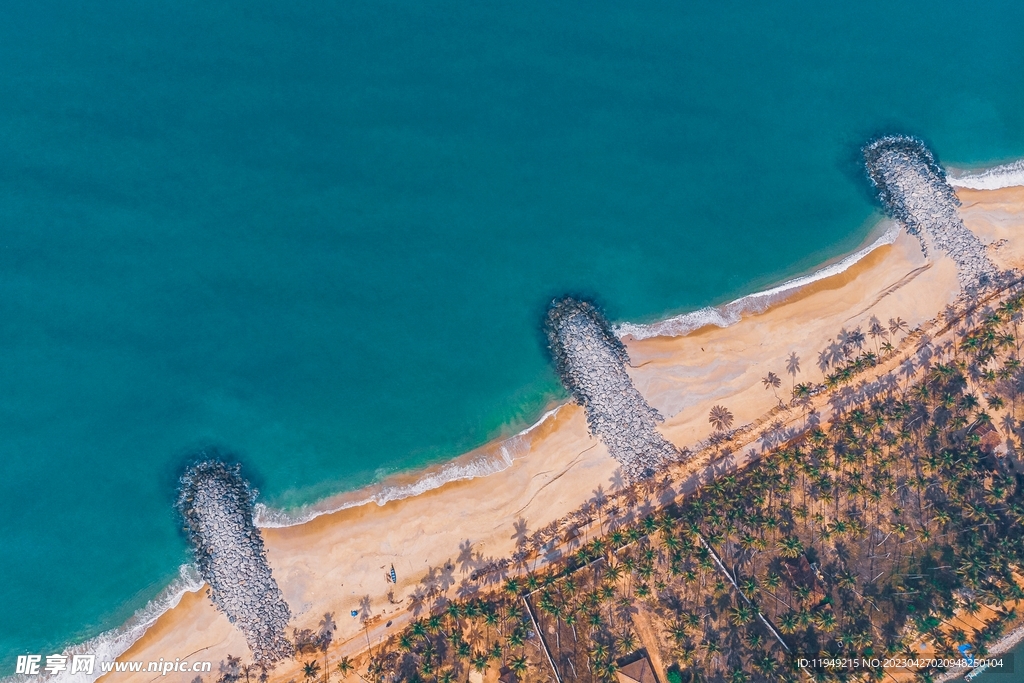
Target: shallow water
(323, 236)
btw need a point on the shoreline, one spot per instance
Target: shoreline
(490, 458)
(497, 455)
(1009, 174)
(1000, 647)
(503, 455)
(882, 233)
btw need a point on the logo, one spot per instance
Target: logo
(31, 665)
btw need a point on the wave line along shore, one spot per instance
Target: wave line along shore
(481, 462)
(116, 641)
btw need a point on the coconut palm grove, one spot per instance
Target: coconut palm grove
(879, 520)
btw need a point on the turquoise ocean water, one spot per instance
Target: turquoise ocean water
(322, 234)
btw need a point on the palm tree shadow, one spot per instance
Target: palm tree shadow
(365, 608)
(617, 482)
(520, 533)
(465, 559)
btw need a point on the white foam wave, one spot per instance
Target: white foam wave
(472, 467)
(1007, 175)
(112, 644)
(730, 313)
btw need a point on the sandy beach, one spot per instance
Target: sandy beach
(337, 562)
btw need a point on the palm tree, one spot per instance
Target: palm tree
(310, 670)
(738, 675)
(479, 661)
(767, 665)
(791, 547)
(627, 643)
(897, 324)
(345, 666)
(324, 637)
(876, 331)
(518, 664)
(772, 582)
(230, 669)
(516, 638)
(720, 418)
(772, 381)
(802, 393)
(712, 648)
(740, 616)
(826, 621)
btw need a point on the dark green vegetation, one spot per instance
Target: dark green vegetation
(892, 525)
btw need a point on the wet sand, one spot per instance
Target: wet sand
(337, 562)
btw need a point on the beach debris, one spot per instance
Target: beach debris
(590, 361)
(912, 187)
(216, 504)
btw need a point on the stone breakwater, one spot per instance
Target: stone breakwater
(590, 361)
(913, 188)
(216, 504)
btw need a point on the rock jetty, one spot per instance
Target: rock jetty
(216, 504)
(913, 188)
(590, 361)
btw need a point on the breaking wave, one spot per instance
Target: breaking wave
(490, 460)
(112, 644)
(1007, 175)
(479, 464)
(730, 313)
